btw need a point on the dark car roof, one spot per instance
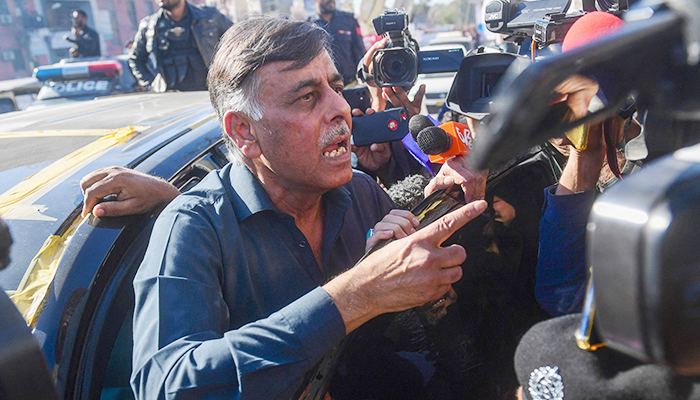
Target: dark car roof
(44, 154)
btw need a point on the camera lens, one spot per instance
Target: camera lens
(397, 66)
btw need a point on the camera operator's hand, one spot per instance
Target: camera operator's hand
(399, 98)
(577, 91)
(457, 170)
(375, 156)
(396, 95)
(398, 223)
(583, 169)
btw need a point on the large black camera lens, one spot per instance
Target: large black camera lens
(397, 66)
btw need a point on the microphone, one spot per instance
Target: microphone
(417, 123)
(408, 192)
(445, 141)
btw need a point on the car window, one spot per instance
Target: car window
(7, 105)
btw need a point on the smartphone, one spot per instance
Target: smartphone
(358, 98)
(380, 127)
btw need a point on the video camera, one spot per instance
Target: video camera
(546, 21)
(642, 233)
(400, 63)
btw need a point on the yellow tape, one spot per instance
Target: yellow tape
(56, 133)
(65, 165)
(31, 295)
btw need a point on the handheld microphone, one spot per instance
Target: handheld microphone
(445, 141)
(417, 123)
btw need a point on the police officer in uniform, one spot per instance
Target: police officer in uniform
(87, 40)
(348, 47)
(173, 47)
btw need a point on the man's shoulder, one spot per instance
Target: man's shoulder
(344, 15)
(202, 11)
(363, 186)
(90, 31)
(148, 18)
(209, 193)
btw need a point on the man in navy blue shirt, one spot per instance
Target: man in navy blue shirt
(247, 281)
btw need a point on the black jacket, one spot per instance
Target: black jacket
(208, 24)
(88, 43)
(348, 47)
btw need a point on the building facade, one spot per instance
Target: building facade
(33, 31)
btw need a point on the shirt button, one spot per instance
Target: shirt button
(302, 243)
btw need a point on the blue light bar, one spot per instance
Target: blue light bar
(78, 70)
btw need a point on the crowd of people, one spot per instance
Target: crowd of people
(256, 284)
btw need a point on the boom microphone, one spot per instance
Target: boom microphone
(444, 141)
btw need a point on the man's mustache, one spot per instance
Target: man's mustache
(330, 136)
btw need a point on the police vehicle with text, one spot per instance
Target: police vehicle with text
(80, 79)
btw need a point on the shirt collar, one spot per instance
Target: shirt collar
(249, 197)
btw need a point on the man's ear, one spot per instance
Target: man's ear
(238, 127)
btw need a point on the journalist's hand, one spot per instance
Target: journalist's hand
(406, 273)
(457, 170)
(375, 156)
(399, 98)
(397, 95)
(398, 223)
(578, 91)
(135, 192)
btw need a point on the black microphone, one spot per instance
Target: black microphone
(417, 123)
(434, 140)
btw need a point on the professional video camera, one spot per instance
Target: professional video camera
(546, 21)
(400, 63)
(642, 239)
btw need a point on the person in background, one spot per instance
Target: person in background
(180, 38)
(87, 40)
(348, 47)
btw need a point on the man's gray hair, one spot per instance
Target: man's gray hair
(246, 47)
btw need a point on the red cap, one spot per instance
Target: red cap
(589, 28)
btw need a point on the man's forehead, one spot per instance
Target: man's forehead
(320, 68)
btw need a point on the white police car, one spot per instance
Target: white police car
(83, 79)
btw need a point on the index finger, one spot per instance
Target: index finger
(367, 61)
(94, 193)
(443, 228)
(89, 179)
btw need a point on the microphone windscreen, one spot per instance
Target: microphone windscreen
(408, 192)
(590, 27)
(417, 123)
(434, 140)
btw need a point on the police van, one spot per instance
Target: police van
(83, 79)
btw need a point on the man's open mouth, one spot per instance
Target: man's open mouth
(340, 148)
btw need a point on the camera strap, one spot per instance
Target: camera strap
(611, 148)
(362, 74)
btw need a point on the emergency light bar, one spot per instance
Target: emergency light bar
(79, 70)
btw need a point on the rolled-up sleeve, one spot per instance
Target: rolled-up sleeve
(561, 267)
(183, 345)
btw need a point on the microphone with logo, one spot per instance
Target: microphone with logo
(440, 142)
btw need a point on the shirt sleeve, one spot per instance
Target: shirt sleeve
(561, 268)
(183, 347)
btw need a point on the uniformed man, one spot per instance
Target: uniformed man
(347, 45)
(87, 40)
(179, 40)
